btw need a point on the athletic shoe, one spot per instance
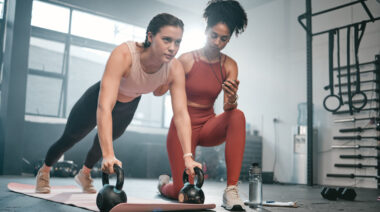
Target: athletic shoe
(231, 199)
(85, 181)
(162, 180)
(42, 184)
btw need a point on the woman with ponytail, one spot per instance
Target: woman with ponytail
(132, 69)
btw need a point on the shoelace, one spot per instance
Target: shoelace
(234, 191)
(44, 178)
(88, 177)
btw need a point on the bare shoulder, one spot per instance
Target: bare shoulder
(176, 66)
(120, 61)
(187, 61)
(229, 63)
(185, 57)
(122, 51)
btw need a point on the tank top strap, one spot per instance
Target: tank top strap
(224, 60)
(135, 56)
(195, 55)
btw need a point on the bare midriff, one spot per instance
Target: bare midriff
(193, 104)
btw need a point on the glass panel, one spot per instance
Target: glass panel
(43, 13)
(168, 111)
(1, 8)
(42, 95)
(149, 111)
(138, 34)
(86, 67)
(46, 55)
(105, 29)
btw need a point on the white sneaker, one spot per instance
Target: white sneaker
(231, 199)
(42, 182)
(85, 181)
(162, 180)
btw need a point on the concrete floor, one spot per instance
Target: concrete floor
(308, 198)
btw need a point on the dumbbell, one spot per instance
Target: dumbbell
(342, 193)
(329, 193)
(347, 194)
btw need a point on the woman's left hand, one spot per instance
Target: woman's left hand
(230, 87)
(190, 164)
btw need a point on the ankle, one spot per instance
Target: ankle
(45, 168)
(231, 186)
(85, 170)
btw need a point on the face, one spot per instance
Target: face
(166, 42)
(217, 36)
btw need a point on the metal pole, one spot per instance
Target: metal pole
(309, 85)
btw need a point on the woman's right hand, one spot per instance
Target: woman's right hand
(108, 162)
(190, 164)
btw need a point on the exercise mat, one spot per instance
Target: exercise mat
(73, 196)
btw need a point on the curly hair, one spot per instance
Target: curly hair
(229, 12)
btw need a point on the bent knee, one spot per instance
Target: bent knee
(237, 114)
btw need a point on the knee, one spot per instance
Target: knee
(237, 115)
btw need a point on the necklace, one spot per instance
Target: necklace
(220, 67)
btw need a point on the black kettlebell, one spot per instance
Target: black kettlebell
(191, 193)
(109, 196)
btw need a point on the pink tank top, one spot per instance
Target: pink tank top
(139, 82)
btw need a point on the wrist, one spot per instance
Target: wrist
(108, 156)
(187, 155)
(234, 100)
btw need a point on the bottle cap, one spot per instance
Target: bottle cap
(255, 169)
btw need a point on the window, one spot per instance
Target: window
(44, 83)
(46, 55)
(86, 67)
(64, 63)
(41, 95)
(168, 111)
(149, 112)
(42, 14)
(105, 29)
(1, 9)
(1, 43)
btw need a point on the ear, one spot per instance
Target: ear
(150, 37)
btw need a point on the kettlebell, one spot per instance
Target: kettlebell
(109, 196)
(191, 193)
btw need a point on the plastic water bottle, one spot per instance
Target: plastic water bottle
(255, 185)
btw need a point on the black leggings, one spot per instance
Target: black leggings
(82, 120)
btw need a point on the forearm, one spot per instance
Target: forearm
(104, 122)
(182, 123)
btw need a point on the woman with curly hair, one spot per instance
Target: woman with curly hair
(208, 72)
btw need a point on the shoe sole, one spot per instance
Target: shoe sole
(234, 208)
(42, 192)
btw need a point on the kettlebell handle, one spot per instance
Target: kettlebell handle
(119, 177)
(200, 177)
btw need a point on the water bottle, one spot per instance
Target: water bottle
(255, 185)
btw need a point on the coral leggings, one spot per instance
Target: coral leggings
(208, 130)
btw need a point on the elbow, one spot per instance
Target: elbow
(102, 110)
(181, 116)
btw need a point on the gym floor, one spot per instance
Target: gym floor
(308, 198)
